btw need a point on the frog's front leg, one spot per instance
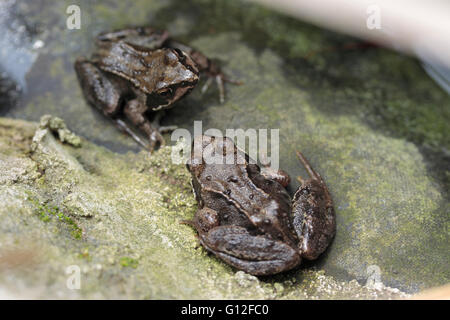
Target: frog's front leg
(206, 66)
(104, 93)
(313, 214)
(135, 112)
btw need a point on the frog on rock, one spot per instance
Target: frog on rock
(138, 70)
(247, 218)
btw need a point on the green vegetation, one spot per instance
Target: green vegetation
(129, 262)
(46, 212)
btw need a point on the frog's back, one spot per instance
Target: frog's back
(237, 191)
(148, 70)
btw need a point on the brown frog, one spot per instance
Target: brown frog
(138, 70)
(247, 218)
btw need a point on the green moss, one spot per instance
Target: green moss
(85, 254)
(131, 206)
(47, 212)
(129, 262)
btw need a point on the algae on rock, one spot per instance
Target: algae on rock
(116, 218)
(369, 120)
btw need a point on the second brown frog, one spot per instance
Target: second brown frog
(247, 218)
(139, 70)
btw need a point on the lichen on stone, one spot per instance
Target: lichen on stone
(57, 125)
(120, 214)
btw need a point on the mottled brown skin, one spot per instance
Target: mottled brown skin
(248, 220)
(138, 70)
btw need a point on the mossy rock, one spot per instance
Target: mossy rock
(123, 233)
(369, 120)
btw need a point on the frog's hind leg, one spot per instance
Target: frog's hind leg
(213, 72)
(104, 93)
(256, 255)
(313, 214)
(99, 90)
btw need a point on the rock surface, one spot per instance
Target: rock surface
(115, 220)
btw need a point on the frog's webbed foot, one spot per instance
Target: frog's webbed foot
(301, 180)
(154, 139)
(313, 213)
(256, 255)
(311, 172)
(125, 128)
(220, 80)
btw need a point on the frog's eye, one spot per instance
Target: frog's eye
(165, 92)
(179, 52)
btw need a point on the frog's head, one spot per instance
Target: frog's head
(176, 73)
(164, 75)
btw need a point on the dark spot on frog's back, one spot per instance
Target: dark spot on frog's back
(166, 59)
(144, 63)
